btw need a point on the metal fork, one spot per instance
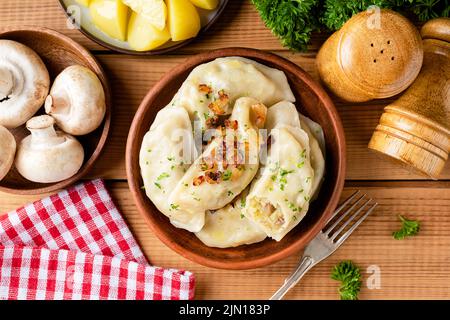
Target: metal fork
(325, 243)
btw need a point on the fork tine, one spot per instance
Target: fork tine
(357, 223)
(342, 206)
(349, 220)
(349, 210)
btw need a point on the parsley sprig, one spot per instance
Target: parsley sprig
(409, 228)
(350, 277)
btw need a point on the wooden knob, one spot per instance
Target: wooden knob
(369, 58)
(415, 129)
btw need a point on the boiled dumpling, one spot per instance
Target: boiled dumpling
(164, 159)
(316, 152)
(228, 227)
(228, 164)
(279, 197)
(212, 88)
(285, 113)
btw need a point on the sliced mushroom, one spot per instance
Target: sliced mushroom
(77, 101)
(7, 151)
(24, 83)
(47, 155)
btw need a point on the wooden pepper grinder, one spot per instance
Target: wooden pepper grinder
(415, 129)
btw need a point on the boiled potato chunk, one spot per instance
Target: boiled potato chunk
(154, 11)
(83, 2)
(143, 36)
(184, 21)
(110, 16)
(206, 4)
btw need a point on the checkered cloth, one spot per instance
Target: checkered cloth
(76, 245)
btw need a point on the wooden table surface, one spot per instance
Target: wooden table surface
(416, 268)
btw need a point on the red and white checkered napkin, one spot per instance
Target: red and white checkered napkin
(76, 245)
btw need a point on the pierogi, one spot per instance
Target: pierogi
(258, 165)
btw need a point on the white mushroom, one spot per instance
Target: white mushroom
(48, 155)
(77, 101)
(24, 83)
(7, 151)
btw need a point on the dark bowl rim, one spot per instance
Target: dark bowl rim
(296, 246)
(176, 46)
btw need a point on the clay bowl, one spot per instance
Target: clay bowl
(312, 101)
(58, 52)
(208, 19)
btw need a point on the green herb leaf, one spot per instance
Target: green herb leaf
(226, 175)
(174, 206)
(163, 176)
(350, 277)
(290, 20)
(409, 228)
(157, 185)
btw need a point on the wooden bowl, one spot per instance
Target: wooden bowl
(313, 101)
(116, 45)
(58, 52)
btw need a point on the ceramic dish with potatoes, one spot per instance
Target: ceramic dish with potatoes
(233, 158)
(45, 117)
(143, 26)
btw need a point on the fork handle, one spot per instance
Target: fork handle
(306, 263)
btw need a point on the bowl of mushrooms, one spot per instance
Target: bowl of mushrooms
(54, 110)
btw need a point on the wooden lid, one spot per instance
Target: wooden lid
(438, 29)
(382, 59)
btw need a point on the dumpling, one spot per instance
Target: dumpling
(164, 158)
(212, 88)
(228, 164)
(228, 227)
(279, 197)
(316, 152)
(285, 113)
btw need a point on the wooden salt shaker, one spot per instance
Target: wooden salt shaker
(415, 129)
(374, 55)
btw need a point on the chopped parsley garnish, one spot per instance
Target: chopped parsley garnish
(226, 175)
(300, 164)
(284, 172)
(243, 202)
(409, 228)
(171, 158)
(242, 216)
(157, 185)
(230, 193)
(172, 167)
(163, 176)
(174, 206)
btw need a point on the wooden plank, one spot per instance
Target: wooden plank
(416, 268)
(134, 76)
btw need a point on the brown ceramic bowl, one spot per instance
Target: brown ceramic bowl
(58, 52)
(312, 101)
(166, 48)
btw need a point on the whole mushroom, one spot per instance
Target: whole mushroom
(7, 151)
(47, 155)
(24, 83)
(77, 101)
